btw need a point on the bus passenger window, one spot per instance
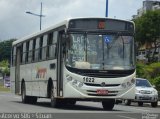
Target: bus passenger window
(51, 46)
(33, 50)
(40, 47)
(27, 51)
(44, 49)
(24, 53)
(30, 51)
(37, 50)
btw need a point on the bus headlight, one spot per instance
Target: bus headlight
(69, 78)
(128, 84)
(77, 83)
(74, 82)
(123, 85)
(133, 80)
(80, 84)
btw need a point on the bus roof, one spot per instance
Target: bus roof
(40, 32)
(65, 22)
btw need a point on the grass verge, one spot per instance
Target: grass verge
(3, 89)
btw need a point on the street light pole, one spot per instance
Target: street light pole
(39, 15)
(106, 8)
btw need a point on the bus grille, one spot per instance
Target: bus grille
(99, 85)
(103, 75)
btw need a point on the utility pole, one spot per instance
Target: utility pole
(106, 8)
(39, 15)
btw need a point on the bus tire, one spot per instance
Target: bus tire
(108, 104)
(32, 100)
(140, 104)
(54, 101)
(25, 99)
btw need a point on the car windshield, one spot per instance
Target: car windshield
(101, 52)
(142, 83)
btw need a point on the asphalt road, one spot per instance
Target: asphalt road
(11, 106)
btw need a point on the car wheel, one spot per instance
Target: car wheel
(154, 104)
(127, 102)
(140, 103)
(108, 104)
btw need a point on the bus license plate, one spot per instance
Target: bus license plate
(102, 92)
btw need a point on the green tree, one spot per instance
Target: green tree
(4, 67)
(5, 49)
(148, 29)
(150, 72)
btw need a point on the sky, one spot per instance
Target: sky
(15, 23)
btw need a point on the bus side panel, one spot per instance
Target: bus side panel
(25, 74)
(47, 70)
(12, 75)
(40, 75)
(52, 73)
(35, 79)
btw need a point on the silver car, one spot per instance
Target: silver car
(145, 93)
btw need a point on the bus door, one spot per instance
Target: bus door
(60, 64)
(17, 70)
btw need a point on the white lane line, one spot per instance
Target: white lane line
(126, 117)
(144, 110)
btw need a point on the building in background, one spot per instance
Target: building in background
(146, 51)
(147, 5)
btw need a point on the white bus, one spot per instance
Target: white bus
(80, 59)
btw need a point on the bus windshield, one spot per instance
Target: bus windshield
(100, 51)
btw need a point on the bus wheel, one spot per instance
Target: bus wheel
(33, 100)
(25, 99)
(54, 101)
(108, 104)
(140, 103)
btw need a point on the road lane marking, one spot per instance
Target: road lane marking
(144, 110)
(126, 117)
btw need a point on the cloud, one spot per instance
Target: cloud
(15, 23)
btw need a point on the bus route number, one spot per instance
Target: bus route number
(88, 79)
